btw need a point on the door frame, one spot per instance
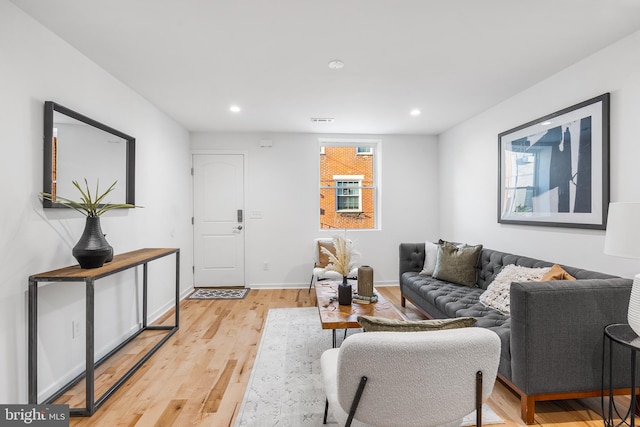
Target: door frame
(245, 158)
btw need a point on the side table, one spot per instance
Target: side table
(623, 335)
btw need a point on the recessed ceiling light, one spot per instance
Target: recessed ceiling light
(415, 112)
(235, 109)
(546, 123)
(336, 64)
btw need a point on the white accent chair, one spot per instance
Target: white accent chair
(410, 378)
(319, 270)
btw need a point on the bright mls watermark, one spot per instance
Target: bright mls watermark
(34, 415)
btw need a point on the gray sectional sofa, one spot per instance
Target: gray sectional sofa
(552, 341)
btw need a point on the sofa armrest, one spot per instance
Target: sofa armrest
(557, 331)
(411, 258)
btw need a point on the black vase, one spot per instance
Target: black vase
(92, 250)
(344, 293)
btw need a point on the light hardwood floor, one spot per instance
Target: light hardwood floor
(199, 376)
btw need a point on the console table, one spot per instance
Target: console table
(89, 276)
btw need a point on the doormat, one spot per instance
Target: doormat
(220, 293)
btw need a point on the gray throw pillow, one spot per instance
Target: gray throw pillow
(457, 263)
(380, 324)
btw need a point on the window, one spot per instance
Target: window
(348, 186)
(348, 195)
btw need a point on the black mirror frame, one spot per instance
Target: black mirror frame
(49, 108)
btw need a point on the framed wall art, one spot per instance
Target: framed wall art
(554, 171)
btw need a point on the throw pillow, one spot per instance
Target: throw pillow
(380, 324)
(430, 255)
(557, 273)
(323, 259)
(457, 263)
(498, 293)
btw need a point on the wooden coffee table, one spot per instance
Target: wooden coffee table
(335, 316)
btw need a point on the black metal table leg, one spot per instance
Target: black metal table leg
(33, 342)
(144, 295)
(90, 347)
(177, 312)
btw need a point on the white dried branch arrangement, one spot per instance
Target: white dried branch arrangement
(343, 261)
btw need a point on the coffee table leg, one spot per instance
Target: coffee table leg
(335, 343)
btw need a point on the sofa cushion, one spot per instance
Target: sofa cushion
(457, 263)
(557, 273)
(497, 294)
(381, 324)
(430, 257)
(323, 258)
(447, 300)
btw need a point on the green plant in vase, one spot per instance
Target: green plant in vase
(92, 250)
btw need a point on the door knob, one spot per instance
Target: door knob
(239, 227)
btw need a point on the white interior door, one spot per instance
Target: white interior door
(218, 186)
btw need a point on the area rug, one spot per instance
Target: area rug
(285, 387)
(219, 293)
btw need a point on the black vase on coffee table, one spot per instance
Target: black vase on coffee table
(345, 292)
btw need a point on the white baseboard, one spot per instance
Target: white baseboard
(306, 285)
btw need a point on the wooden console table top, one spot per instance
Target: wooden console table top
(120, 262)
(336, 316)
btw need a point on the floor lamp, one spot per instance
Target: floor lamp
(623, 240)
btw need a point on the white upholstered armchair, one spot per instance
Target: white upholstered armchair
(320, 261)
(410, 378)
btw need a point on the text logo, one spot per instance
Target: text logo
(34, 415)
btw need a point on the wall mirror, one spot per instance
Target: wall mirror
(77, 147)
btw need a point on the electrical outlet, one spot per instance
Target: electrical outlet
(265, 266)
(76, 329)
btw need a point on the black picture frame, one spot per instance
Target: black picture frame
(554, 171)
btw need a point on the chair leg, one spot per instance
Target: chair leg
(479, 399)
(326, 410)
(311, 283)
(356, 401)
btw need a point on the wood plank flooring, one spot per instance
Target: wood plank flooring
(198, 378)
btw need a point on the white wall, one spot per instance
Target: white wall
(283, 185)
(469, 161)
(37, 66)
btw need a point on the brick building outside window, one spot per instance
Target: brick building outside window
(347, 187)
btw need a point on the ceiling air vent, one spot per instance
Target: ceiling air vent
(322, 120)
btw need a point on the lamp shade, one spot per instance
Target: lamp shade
(623, 240)
(623, 230)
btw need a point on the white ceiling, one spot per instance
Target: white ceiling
(450, 58)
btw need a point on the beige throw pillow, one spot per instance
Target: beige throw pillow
(380, 324)
(457, 263)
(323, 259)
